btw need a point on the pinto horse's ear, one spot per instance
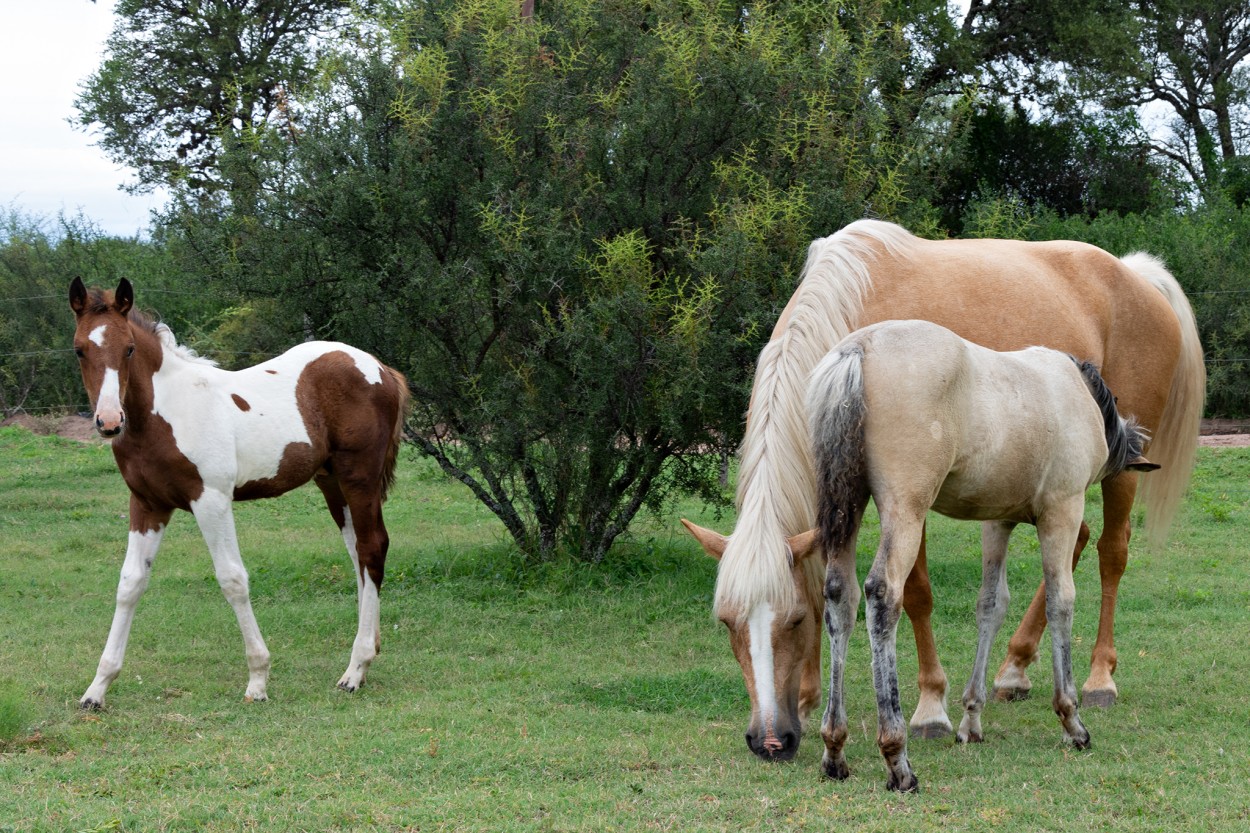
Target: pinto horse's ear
(1141, 464)
(77, 296)
(713, 543)
(124, 297)
(802, 545)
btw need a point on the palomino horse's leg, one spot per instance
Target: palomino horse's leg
(991, 609)
(1057, 530)
(359, 517)
(883, 592)
(214, 512)
(1012, 681)
(146, 530)
(1117, 495)
(930, 719)
(841, 605)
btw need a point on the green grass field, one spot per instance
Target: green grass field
(563, 697)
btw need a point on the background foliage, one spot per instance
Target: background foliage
(573, 223)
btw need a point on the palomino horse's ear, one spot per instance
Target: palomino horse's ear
(124, 297)
(1141, 464)
(713, 543)
(77, 296)
(802, 545)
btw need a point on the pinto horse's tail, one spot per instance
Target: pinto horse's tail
(835, 404)
(1174, 441)
(397, 431)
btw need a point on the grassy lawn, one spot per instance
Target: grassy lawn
(563, 697)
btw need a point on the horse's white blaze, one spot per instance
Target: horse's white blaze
(96, 336)
(760, 623)
(109, 402)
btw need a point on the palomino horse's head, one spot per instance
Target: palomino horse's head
(104, 344)
(773, 639)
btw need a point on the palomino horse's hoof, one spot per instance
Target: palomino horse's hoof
(1102, 699)
(1010, 694)
(931, 731)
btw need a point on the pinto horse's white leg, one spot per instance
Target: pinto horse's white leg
(368, 629)
(1057, 531)
(214, 512)
(146, 531)
(991, 610)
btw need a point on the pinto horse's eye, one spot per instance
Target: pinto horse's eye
(78, 352)
(130, 351)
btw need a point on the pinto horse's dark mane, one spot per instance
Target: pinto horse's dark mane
(1125, 438)
(99, 301)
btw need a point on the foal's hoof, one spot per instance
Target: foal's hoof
(90, 704)
(903, 783)
(1101, 699)
(1010, 694)
(835, 770)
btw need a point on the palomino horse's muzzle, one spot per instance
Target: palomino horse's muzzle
(781, 747)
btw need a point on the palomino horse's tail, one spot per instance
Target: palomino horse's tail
(397, 431)
(835, 404)
(1175, 439)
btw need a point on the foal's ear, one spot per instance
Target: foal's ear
(1141, 464)
(77, 296)
(802, 545)
(124, 297)
(713, 543)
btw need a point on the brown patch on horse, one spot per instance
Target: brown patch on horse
(241, 402)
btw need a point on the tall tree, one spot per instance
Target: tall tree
(182, 78)
(573, 234)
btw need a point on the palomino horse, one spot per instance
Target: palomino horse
(189, 435)
(912, 415)
(1126, 315)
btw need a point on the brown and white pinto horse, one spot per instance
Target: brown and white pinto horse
(1127, 315)
(189, 435)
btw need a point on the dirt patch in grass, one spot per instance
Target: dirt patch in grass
(71, 427)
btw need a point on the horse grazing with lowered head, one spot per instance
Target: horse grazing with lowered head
(1127, 315)
(189, 435)
(912, 415)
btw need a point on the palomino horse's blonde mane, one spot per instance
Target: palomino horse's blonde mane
(776, 495)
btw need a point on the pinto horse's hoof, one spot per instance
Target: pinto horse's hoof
(1102, 699)
(90, 704)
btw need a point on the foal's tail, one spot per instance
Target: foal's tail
(397, 431)
(835, 404)
(1174, 441)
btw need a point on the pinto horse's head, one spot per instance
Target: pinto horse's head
(104, 344)
(774, 639)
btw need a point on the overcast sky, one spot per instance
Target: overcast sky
(47, 48)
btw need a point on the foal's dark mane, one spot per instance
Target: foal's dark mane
(98, 302)
(1125, 438)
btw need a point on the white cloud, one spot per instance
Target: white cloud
(47, 48)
